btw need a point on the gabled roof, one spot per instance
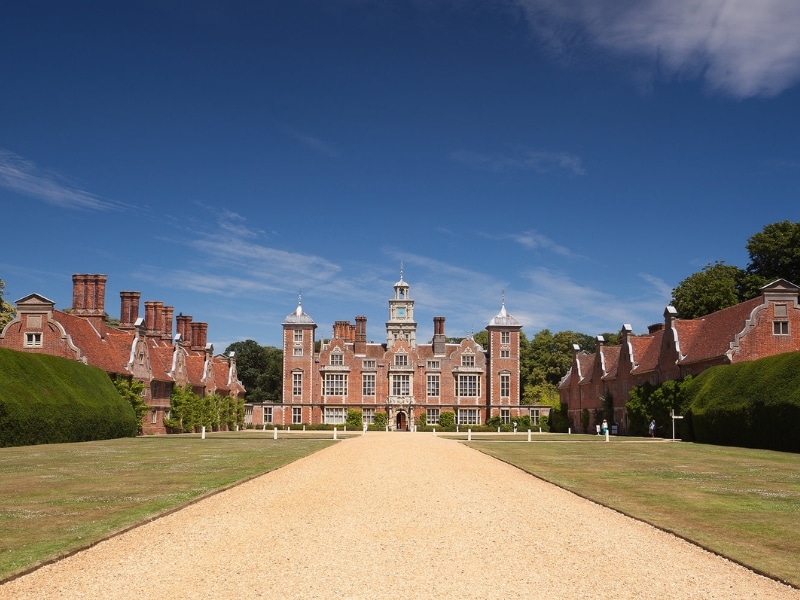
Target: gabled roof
(647, 349)
(610, 357)
(106, 347)
(710, 337)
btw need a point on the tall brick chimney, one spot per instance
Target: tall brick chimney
(185, 329)
(89, 297)
(166, 330)
(150, 316)
(361, 335)
(199, 333)
(158, 321)
(129, 309)
(439, 339)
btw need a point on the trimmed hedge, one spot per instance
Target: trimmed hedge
(47, 399)
(754, 404)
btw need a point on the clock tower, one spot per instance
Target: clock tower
(401, 325)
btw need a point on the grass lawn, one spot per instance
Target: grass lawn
(57, 498)
(741, 503)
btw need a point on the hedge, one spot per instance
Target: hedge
(754, 404)
(47, 399)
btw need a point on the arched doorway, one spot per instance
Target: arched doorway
(400, 421)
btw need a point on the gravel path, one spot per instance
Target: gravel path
(395, 516)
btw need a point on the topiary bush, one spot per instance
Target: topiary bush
(47, 399)
(754, 404)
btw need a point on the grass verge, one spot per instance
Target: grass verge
(740, 503)
(58, 498)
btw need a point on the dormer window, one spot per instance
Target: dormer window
(780, 328)
(401, 360)
(33, 340)
(468, 360)
(337, 359)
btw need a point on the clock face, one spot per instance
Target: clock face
(401, 312)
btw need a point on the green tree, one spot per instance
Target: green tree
(381, 420)
(131, 390)
(649, 402)
(447, 419)
(261, 370)
(716, 287)
(775, 252)
(185, 412)
(544, 393)
(354, 419)
(482, 338)
(6, 310)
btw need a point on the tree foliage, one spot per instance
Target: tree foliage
(775, 252)
(6, 310)
(131, 390)
(712, 289)
(189, 411)
(260, 369)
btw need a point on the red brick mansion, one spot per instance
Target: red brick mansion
(401, 377)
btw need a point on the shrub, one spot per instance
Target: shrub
(381, 420)
(354, 419)
(754, 404)
(47, 399)
(447, 419)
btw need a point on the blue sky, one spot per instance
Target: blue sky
(581, 157)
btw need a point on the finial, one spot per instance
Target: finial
(401, 270)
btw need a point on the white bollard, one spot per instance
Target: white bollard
(304, 427)
(529, 435)
(275, 433)
(569, 431)
(469, 435)
(540, 430)
(203, 434)
(606, 434)
(498, 430)
(434, 431)
(334, 433)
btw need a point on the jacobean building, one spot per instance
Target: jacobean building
(760, 327)
(401, 377)
(139, 348)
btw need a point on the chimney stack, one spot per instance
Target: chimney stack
(129, 310)
(198, 336)
(361, 335)
(166, 330)
(185, 329)
(439, 339)
(89, 297)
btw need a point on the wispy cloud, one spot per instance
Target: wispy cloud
(311, 141)
(24, 177)
(533, 240)
(525, 160)
(738, 48)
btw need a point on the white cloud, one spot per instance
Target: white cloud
(24, 177)
(740, 48)
(532, 240)
(525, 160)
